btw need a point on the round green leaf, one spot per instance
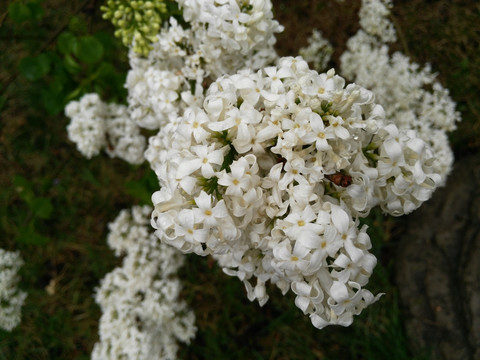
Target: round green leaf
(72, 66)
(36, 10)
(34, 68)
(53, 103)
(88, 49)
(42, 207)
(30, 237)
(65, 42)
(77, 25)
(19, 12)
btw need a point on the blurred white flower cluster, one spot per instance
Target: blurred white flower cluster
(411, 95)
(11, 298)
(374, 19)
(96, 125)
(143, 317)
(318, 52)
(271, 176)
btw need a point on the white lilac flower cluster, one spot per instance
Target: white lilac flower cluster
(166, 82)
(222, 37)
(11, 298)
(143, 317)
(410, 95)
(268, 171)
(374, 19)
(318, 52)
(96, 125)
(271, 176)
(232, 33)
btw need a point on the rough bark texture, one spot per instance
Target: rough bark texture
(438, 268)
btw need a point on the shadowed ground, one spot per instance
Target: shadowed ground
(438, 268)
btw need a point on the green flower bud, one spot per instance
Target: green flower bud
(136, 19)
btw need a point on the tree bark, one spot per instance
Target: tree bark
(438, 268)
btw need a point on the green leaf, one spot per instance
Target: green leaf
(88, 49)
(90, 177)
(72, 66)
(23, 188)
(77, 25)
(65, 42)
(36, 10)
(74, 94)
(42, 207)
(19, 12)
(111, 80)
(30, 237)
(52, 100)
(143, 188)
(34, 68)
(109, 42)
(56, 85)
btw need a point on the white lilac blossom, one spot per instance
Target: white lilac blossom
(168, 80)
(318, 52)
(411, 96)
(232, 33)
(222, 38)
(95, 125)
(124, 139)
(11, 298)
(87, 124)
(271, 176)
(374, 19)
(143, 317)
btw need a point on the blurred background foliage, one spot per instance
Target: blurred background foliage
(55, 205)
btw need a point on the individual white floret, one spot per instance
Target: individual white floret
(11, 298)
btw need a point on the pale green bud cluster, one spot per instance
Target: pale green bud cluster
(136, 19)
